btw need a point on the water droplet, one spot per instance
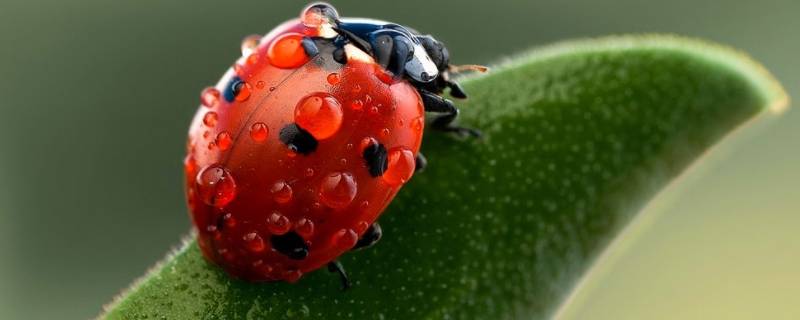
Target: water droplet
(383, 75)
(259, 132)
(385, 132)
(356, 88)
(365, 143)
(281, 192)
(210, 119)
(252, 59)
(238, 69)
(357, 105)
(189, 165)
(361, 226)
(345, 239)
(260, 84)
(216, 185)
(417, 124)
(343, 161)
(242, 91)
(349, 146)
(368, 99)
(211, 145)
(400, 167)
(287, 52)
(224, 140)
(317, 14)
(271, 88)
(278, 224)
(305, 228)
(373, 110)
(229, 220)
(254, 242)
(333, 78)
(292, 276)
(320, 114)
(209, 97)
(206, 134)
(309, 172)
(338, 189)
(364, 205)
(249, 44)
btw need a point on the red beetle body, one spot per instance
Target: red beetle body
(248, 183)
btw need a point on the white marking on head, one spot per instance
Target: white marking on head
(421, 68)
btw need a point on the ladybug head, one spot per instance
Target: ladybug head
(436, 51)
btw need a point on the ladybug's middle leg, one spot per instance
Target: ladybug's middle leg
(370, 237)
(435, 103)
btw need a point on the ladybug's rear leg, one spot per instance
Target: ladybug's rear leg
(420, 163)
(435, 103)
(336, 266)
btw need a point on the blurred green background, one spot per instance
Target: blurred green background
(97, 97)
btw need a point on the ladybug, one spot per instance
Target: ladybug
(301, 145)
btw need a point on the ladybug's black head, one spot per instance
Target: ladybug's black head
(436, 51)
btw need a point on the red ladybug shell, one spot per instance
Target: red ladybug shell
(244, 185)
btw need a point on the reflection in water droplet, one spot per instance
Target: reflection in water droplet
(287, 52)
(318, 14)
(401, 164)
(249, 44)
(320, 114)
(209, 97)
(281, 192)
(278, 224)
(357, 105)
(259, 132)
(242, 91)
(333, 78)
(216, 185)
(210, 119)
(252, 59)
(224, 140)
(305, 228)
(254, 242)
(345, 239)
(338, 189)
(260, 84)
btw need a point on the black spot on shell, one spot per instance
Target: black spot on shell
(376, 157)
(232, 89)
(291, 245)
(297, 139)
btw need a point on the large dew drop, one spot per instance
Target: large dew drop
(320, 114)
(401, 165)
(338, 189)
(317, 14)
(216, 186)
(287, 52)
(278, 224)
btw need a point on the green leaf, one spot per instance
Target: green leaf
(577, 137)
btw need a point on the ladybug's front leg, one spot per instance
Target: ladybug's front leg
(435, 103)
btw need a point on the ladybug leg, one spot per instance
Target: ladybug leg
(421, 163)
(435, 103)
(336, 266)
(370, 237)
(456, 90)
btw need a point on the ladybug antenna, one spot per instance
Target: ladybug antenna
(467, 67)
